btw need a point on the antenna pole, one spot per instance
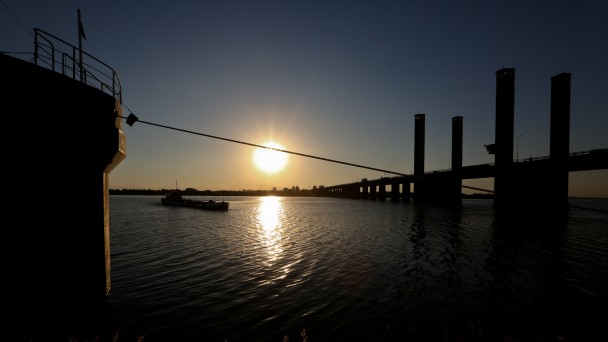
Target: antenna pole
(80, 34)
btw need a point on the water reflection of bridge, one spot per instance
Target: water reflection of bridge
(537, 182)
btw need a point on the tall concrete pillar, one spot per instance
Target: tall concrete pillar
(457, 158)
(559, 147)
(457, 143)
(419, 191)
(419, 145)
(505, 112)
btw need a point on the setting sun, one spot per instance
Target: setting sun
(270, 161)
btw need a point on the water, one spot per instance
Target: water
(354, 270)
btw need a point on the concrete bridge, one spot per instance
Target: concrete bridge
(399, 188)
(541, 182)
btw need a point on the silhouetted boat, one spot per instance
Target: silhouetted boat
(176, 199)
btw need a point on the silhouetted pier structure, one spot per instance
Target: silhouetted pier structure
(63, 111)
(541, 182)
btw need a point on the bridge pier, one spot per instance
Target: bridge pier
(443, 188)
(503, 156)
(406, 192)
(519, 185)
(365, 190)
(559, 146)
(395, 192)
(382, 192)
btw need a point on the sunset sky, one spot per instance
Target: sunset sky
(339, 80)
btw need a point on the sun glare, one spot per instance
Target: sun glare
(270, 161)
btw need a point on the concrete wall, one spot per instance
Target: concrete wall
(61, 138)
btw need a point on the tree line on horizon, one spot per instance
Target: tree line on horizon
(293, 191)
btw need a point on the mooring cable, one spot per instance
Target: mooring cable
(131, 119)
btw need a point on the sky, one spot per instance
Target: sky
(340, 80)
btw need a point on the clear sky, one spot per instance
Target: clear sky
(336, 79)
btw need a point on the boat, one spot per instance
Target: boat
(176, 199)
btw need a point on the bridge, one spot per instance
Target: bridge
(540, 182)
(399, 187)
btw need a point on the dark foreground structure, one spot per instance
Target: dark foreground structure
(62, 139)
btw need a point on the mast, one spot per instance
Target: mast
(81, 35)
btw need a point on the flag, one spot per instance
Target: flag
(80, 28)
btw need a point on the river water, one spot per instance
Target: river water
(278, 268)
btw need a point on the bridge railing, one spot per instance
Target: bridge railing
(602, 151)
(60, 56)
(571, 154)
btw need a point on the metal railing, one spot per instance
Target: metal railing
(597, 151)
(60, 56)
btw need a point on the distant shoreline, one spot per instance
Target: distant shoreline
(284, 192)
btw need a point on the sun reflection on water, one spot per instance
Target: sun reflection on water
(269, 222)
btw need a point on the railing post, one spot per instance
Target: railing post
(73, 62)
(36, 46)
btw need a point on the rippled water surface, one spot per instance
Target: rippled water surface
(354, 270)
